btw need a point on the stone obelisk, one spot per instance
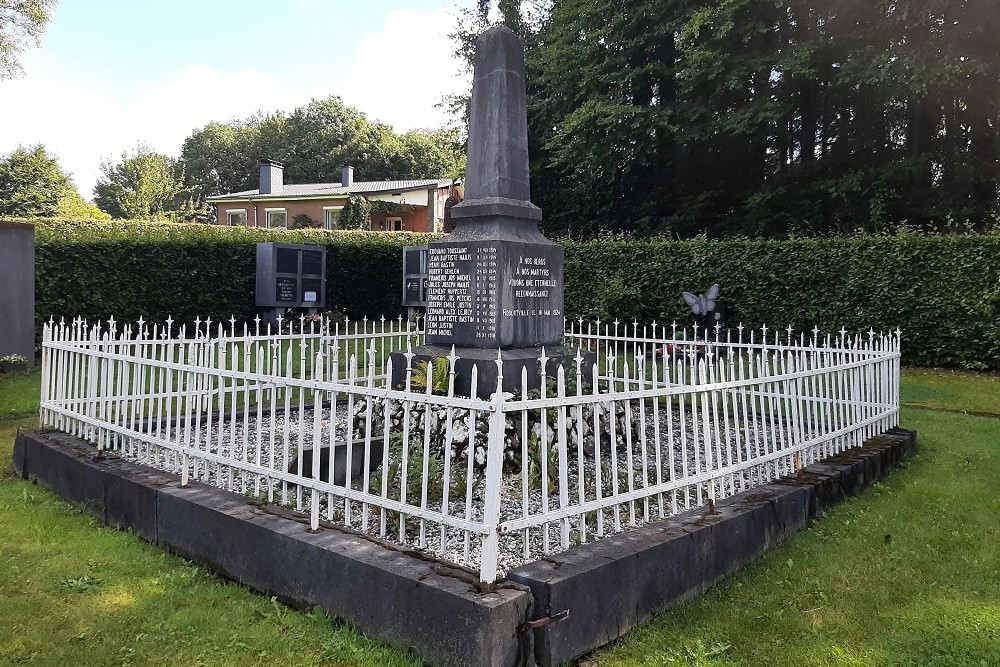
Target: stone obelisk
(495, 283)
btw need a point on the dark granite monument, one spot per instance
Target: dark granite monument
(495, 283)
(17, 291)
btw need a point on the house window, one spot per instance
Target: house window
(236, 216)
(393, 225)
(331, 216)
(277, 218)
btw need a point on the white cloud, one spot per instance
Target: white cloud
(402, 72)
(83, 127)
(397, 77)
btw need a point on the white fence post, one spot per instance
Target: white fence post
(494, 469)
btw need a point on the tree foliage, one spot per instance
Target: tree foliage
(356, 214)
(314, 141)
(31, 183)
(764, 117)
(145, 185)
(22, 23)
(72, 206)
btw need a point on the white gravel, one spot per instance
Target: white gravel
(237, 439)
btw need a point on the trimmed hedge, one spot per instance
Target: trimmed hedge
(128, 269)
(942, 291)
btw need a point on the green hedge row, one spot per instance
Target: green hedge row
(942, 291)
(128, 269)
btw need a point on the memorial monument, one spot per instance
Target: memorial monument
(495, 283)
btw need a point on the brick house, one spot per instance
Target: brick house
(275, 204)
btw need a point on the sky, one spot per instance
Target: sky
(111, 74)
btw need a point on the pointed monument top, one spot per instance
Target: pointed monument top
(497, 170)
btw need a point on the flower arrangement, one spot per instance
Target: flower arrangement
(12, 363)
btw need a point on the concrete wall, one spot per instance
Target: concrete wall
(17, 290)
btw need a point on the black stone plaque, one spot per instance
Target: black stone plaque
(281, 284)
(312, 262)
(414, 290)
(288, 260)
(412, 259)
(285, 290)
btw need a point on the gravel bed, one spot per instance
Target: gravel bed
(237, 439)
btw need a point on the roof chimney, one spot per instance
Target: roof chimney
(347, 176)
(272, 179)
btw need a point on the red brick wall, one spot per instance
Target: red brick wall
(311, 207)
(415, 218)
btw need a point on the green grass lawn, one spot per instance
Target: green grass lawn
(906, 574)
(951, 390)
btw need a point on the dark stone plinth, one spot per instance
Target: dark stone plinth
(494, 292)
(515, 362)
(611, 586)
(405, 597)
(578, 599)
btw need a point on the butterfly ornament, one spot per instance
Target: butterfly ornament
(703, 304)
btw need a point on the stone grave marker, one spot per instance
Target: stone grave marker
(290, 276)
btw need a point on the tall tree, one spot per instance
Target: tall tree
(221, 157)
(31, 183)
(74, 207)
(766, 117)
(313, 141)
(144, 185)
(22, 22)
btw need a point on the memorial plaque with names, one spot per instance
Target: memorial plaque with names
(494, 294)
(286, 289)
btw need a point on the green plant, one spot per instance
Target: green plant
(439, 379)
(414, 471)
(534, 472)
(356, 214)
(303, 221)
(941, 291)
(12, 360)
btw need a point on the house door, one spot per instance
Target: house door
(393, 225)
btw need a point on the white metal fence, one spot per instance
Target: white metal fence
(666, 420)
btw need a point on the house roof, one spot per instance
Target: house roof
(337, 189)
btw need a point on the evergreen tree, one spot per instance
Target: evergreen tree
(31, 183)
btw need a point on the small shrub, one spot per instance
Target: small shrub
(303, 221)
